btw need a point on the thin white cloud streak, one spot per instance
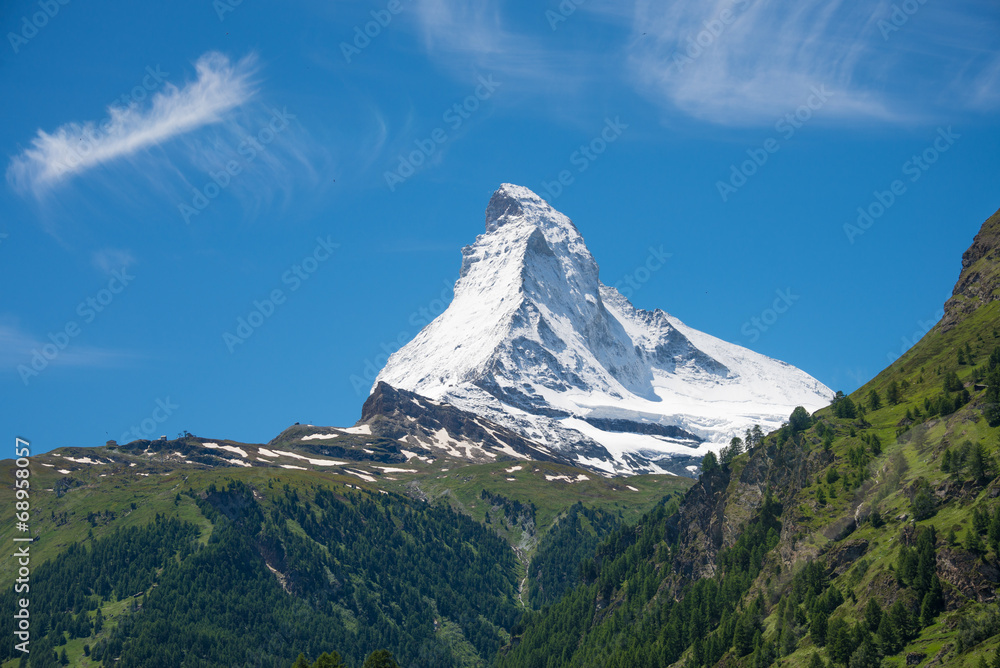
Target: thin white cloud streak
(880, 64)
(17, 347)
(273, 172)
(758, 67)
(757, 64)
(761, 64)
(462, 26)
(473, 36)
(112, 259)
(75, 147)
(984, 93)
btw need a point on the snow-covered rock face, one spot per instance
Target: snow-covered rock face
(533, 340)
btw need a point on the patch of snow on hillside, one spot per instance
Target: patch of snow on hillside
(229, 448)
(311, 460)
(313, 437)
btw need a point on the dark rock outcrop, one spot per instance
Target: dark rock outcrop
(979, 282)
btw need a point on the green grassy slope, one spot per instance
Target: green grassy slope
(859, 488)
(93, 504)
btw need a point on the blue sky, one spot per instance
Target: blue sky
(173, 168)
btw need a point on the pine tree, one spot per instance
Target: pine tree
(892, 393)
(901, 620)
(927, 611)
(743, 636)
(799, 420)
(840, 644)
(952, 383)
(973, 543)
(980, 463)
(888, 635)
(980, 520)
(818, 626)
(865, 656)
(301, 662)
(329, 660)
(874, 400)
(873, 615)
(994, 531)
(380, 658)
(843, 407)
(788, 641)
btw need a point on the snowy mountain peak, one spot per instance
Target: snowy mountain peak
(533, 340)
(517, 203)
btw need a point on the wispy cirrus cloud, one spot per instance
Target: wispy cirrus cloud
(76, 147)
(985, 89)
(18, 347)
(112, 259)
(476, 35)
(741, 62)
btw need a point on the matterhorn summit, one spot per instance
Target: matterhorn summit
(534, 341)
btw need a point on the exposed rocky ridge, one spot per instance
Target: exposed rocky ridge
(979, 282)
(716, 510)
(407, 417)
